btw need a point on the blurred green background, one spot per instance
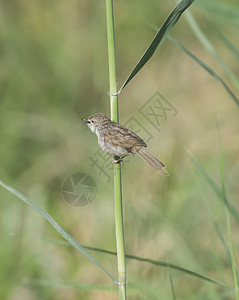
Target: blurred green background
(54, 71)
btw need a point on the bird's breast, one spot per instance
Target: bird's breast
(110, 149)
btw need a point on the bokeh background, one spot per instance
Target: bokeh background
(54, 71)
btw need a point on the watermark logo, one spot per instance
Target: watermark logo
(79, 190)
(157, 109)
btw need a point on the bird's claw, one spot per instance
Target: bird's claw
(116, 161)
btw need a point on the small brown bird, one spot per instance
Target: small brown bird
(119, 141)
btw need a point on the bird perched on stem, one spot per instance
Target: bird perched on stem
(119, 141)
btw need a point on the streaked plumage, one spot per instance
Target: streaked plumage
(118, 140)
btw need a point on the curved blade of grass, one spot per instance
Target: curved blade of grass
(214, 221)
(229, 252)
(229, 45)
(147, 260)
(214, 187)
(209, 47)
(232, 256)
(206, 68)
(171, 281)
(229, 228)
(58, 228)
(221, 9)
(162, 264)
(172, 286)
(159, 38)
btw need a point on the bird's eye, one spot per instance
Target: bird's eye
(92, 121)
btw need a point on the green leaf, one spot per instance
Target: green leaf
(58, 228)
(159, 38)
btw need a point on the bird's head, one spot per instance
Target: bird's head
(97, 122)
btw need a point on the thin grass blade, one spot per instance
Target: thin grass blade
(159, 38)
(207, 69)
(146, 260)
(209, 47)
(214, 221)
(222, 10)
(58, 228)
(172, 286)
(233, 256)
(229, 45)
(214, 187)
(162, 264)
(229, 228)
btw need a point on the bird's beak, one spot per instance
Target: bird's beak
(85, 121)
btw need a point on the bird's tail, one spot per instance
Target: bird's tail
(153, 162)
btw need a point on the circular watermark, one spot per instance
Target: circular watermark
(79, 189)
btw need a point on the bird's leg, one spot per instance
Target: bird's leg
(116, 161)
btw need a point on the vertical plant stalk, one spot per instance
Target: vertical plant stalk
(119, 226)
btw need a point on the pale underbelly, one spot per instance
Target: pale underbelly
(113, 150)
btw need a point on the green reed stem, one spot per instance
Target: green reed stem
(119, 226)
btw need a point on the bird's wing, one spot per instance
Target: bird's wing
(123, 137)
